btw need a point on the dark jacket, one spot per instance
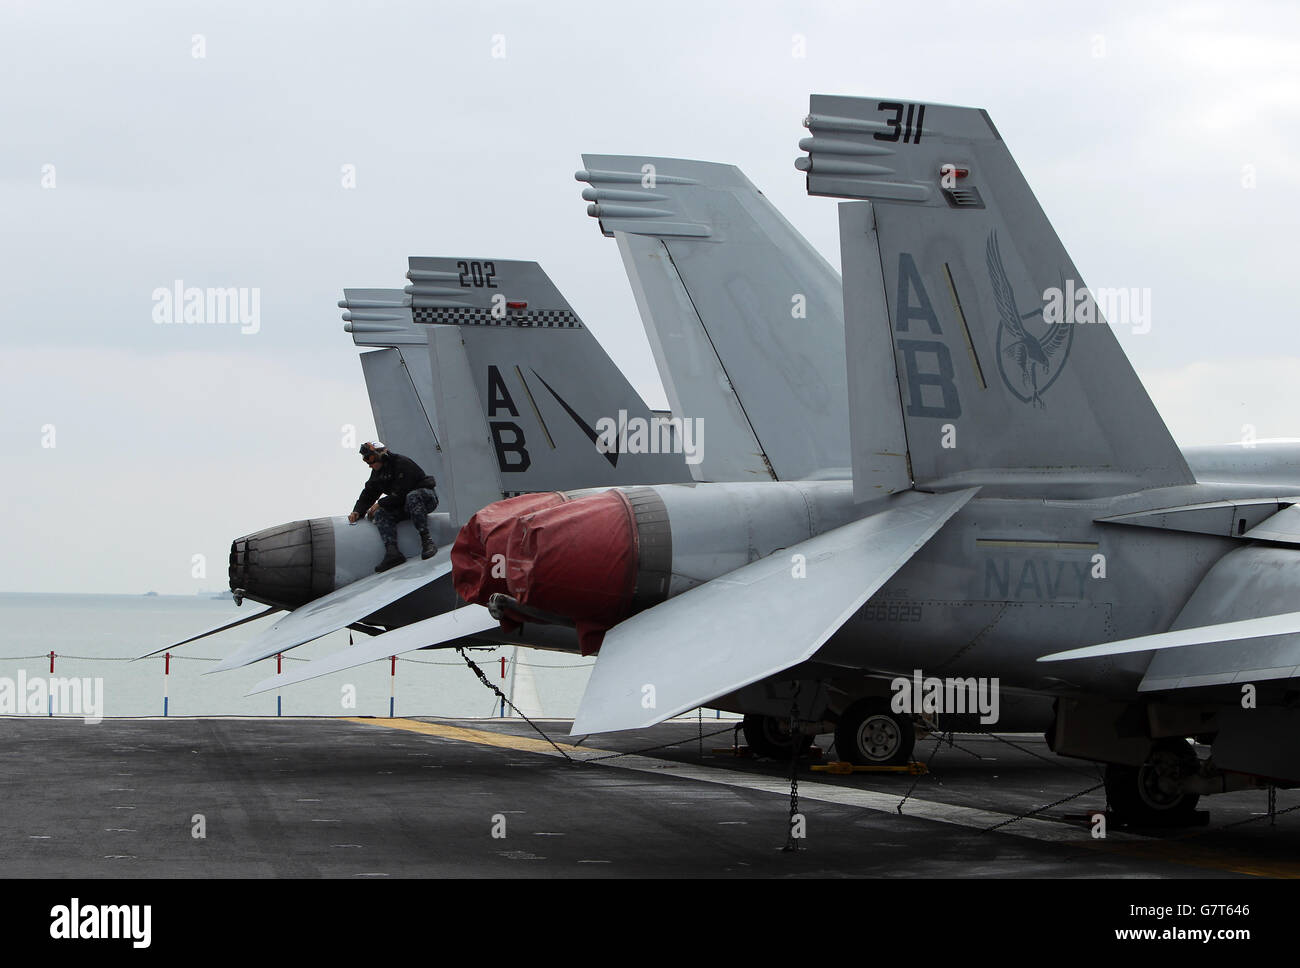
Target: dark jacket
(396, 476)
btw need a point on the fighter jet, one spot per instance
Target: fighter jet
(718, 271)
(1085, 510)
(1052, 535)
(401, 397)
(483, 373)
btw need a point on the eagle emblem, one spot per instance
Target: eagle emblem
(1039, 358)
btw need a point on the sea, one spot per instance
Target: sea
(99, 637)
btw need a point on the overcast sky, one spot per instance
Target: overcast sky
(1162, 141)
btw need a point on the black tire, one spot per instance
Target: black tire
(1140, 795)
(770, 737)
(869, 734)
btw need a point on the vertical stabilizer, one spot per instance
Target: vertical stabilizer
(398, 379)
(743, 315)
(1007, 375)
(528, 391)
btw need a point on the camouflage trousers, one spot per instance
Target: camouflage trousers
(420, 503)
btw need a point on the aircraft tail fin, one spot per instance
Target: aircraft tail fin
(743, 315)
(1006, 373)
(524, 392)
(398, 378)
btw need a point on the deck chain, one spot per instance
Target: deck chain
(938, 745)
(791, 842)
(491, 685)
(1048, 806)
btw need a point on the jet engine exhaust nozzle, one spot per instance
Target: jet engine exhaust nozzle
(286, 565)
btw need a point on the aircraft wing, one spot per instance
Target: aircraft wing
(1283, 527)
(1288, 623)
(1210, 655)
(1224, 634)
(220, 628)
(340, 608)
(754, 622)
(438, 630)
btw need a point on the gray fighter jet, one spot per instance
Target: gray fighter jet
(1014, 493)
(746, 318)
(483, 373)
(1006, 500)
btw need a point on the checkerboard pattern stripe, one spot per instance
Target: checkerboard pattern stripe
(539, 318)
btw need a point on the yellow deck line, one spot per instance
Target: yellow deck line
(1197, 855)
(481, 736)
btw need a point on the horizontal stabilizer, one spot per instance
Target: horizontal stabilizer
(220, 628)
(340, 608)
(755, 622)
(441, 629)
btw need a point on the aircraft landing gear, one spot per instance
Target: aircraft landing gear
(869, 734)
(1152, 794)
(770, 737)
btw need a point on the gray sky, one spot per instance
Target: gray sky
(226, 170)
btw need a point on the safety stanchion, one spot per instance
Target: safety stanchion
(50, 699)
(167, 671)
(279, 667)
(392, 686)
(501, 713)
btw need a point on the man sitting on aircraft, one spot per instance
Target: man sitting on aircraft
(410, 493)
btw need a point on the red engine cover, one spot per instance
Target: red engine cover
(578, 560)
(486, 535)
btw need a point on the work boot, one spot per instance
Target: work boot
(427, 548)
(392, 557)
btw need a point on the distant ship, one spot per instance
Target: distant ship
(150, 594)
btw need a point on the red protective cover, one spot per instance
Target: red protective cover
(486, 534)
(578, 560)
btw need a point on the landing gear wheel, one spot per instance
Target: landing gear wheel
(1151, 795)
(869, 734)
(770, 737)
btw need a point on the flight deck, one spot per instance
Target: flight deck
(395, 798)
